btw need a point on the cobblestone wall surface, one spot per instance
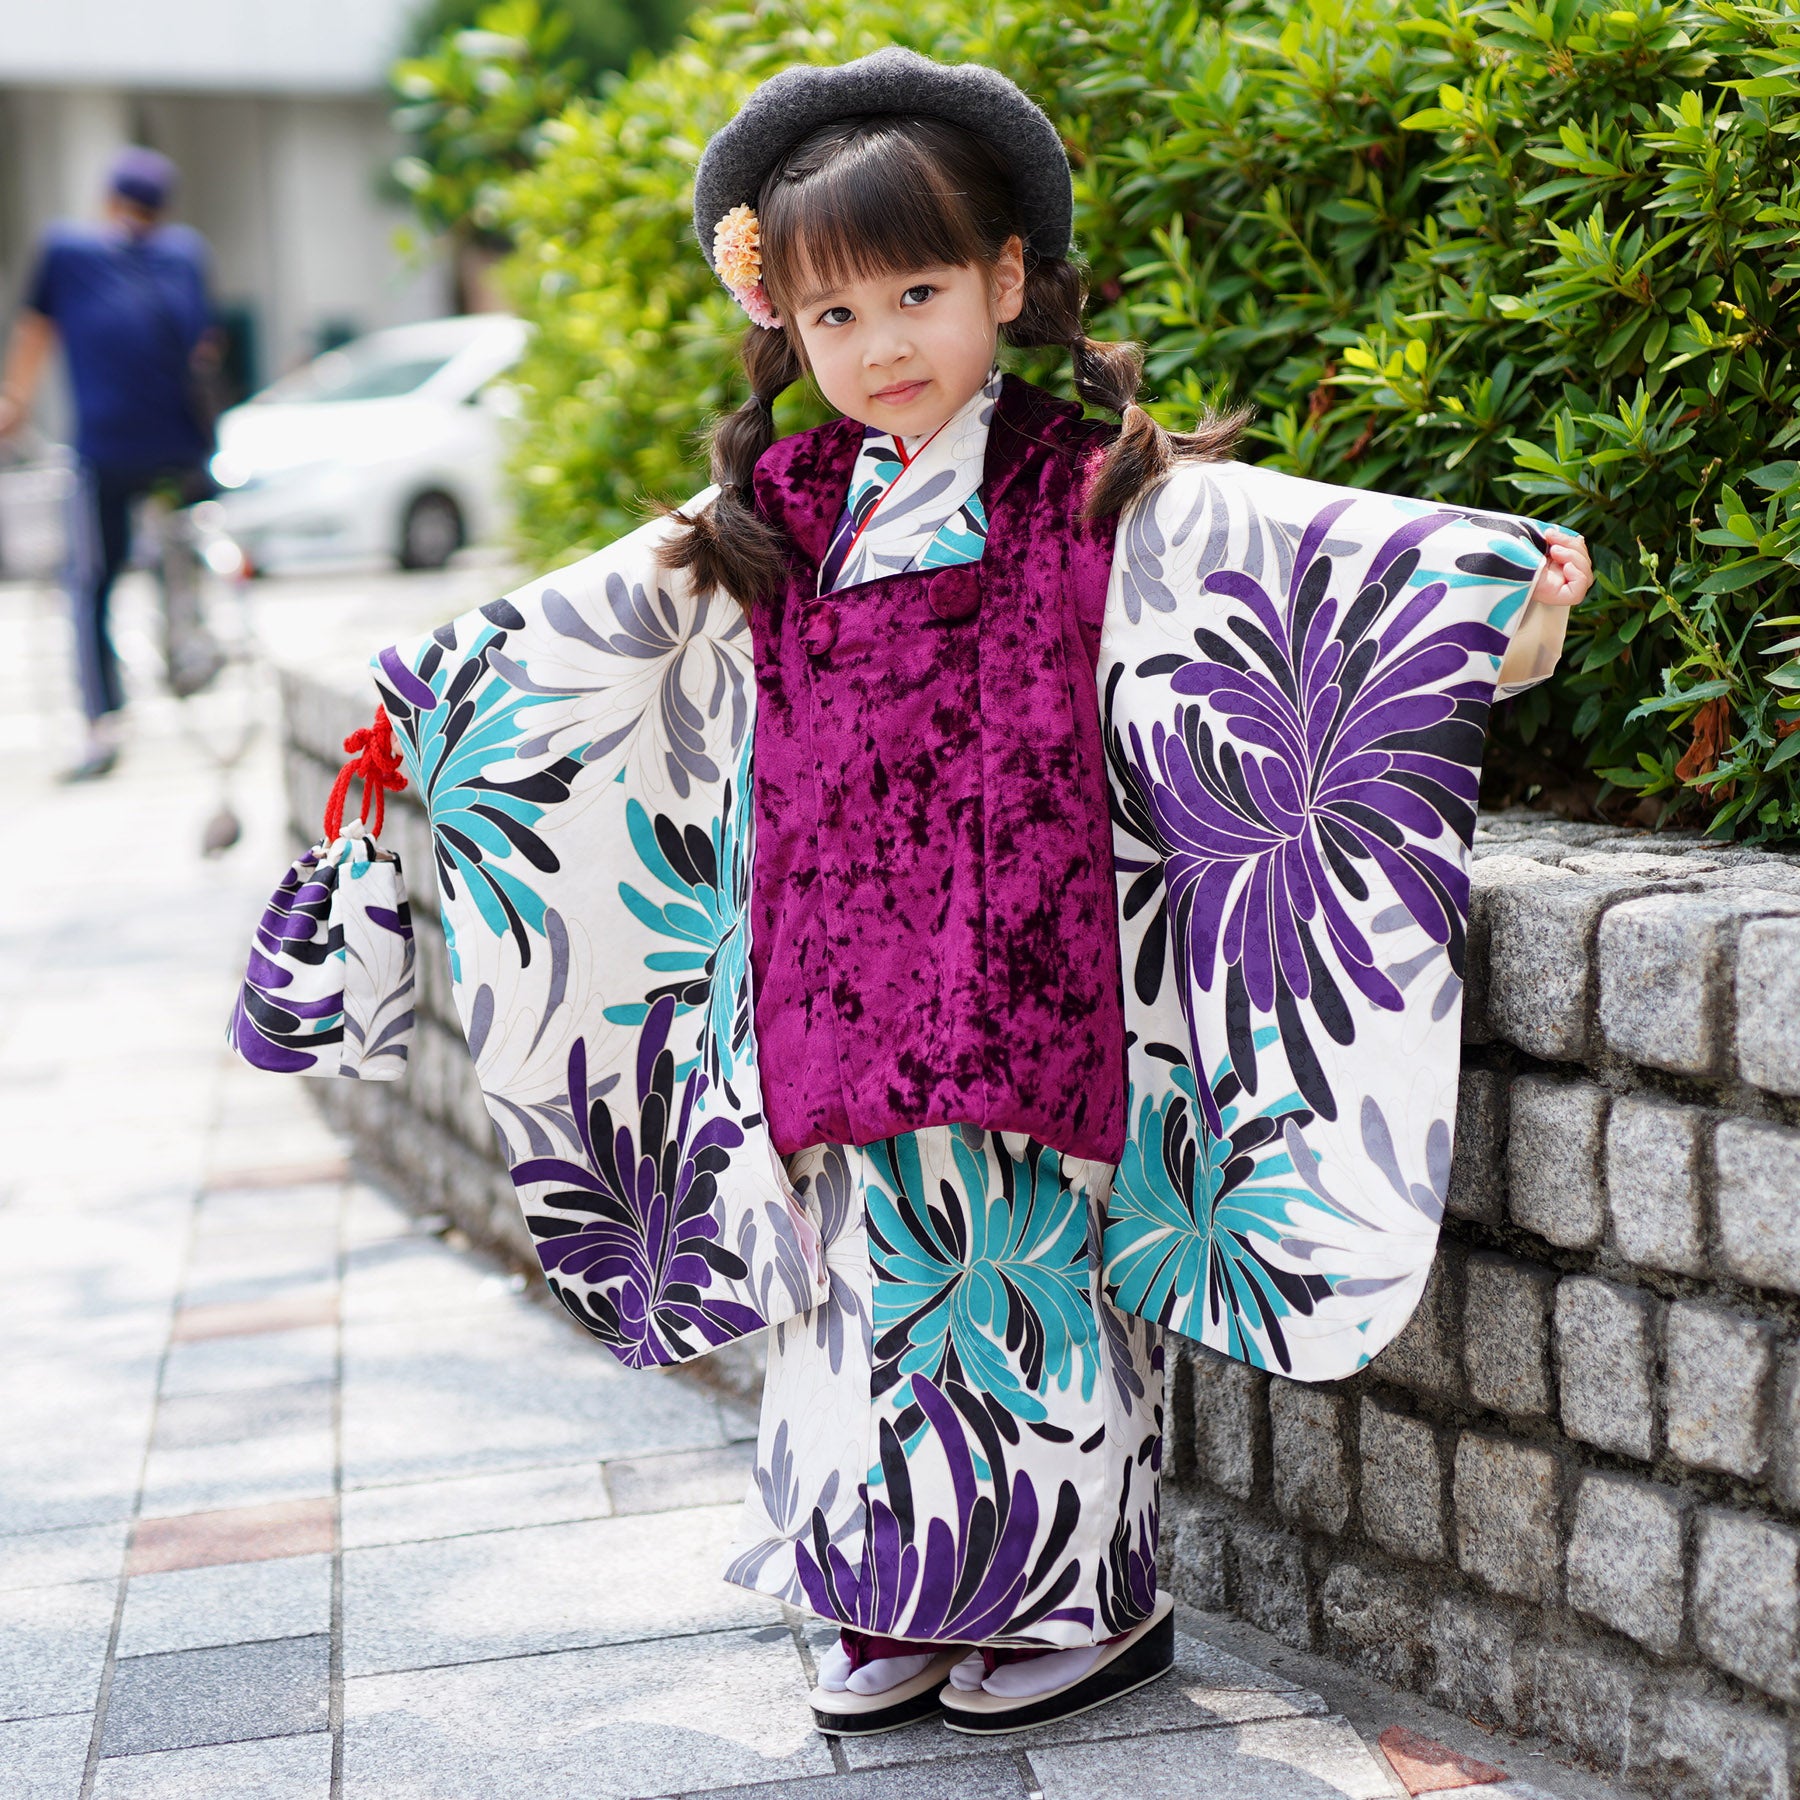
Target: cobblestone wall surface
(1567, 1498)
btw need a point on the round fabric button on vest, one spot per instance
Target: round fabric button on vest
(956, 593)
(818, 629)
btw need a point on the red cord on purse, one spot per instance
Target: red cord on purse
(376, 764)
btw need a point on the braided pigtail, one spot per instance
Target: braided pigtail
(1108, 375)
(729, 545)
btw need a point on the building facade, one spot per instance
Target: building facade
(278, 118)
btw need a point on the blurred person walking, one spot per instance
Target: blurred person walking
(128, 302)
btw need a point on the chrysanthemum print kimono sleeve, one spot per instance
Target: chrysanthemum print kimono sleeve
(582, 747)
(1295, 681)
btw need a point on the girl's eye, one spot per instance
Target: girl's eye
(924, 290)
(827, 318)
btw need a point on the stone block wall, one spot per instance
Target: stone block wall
(1567, 1498)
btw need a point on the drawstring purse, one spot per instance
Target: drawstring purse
(329, 987)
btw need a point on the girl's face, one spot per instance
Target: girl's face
(903, 352)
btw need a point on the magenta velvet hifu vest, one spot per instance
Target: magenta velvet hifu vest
(934, 923)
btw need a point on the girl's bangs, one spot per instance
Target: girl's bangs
(879, 207)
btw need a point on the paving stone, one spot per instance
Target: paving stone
(465, 1504)
(1625, 1558)
(294, 1267)
(1306, 1432)
(1654, 1152)
(55, 1558)
(1506, 1334)
(1717, 1387)
(509, 1387)
(1402, 1483)
(1768, 1004)
(273, 1359)
(1207, 1687)
(1584, 1699)
(1478, 1162)
(676, 1715)
(252, 1318)
(686, 1478)
(371, 1216)
(228, 1603)
(1231, 1423)
(51, 1482)
(1508, 1516)
(218, 1696)
(232, 1212)
(990, 1775)
(53, 1647)
(1665, 979)
(1426, 1355)
(45, 1759)
(1554, 1160)
(1756, 1188)
(1747, 1599)
(235, 1534)
(292, 1459)
(413, 1276)
(284, 1768)
(1286, 1759)
(1693, 1747)
(552, 1587)
(1540, 962)
(1605, 1356)
(207, 1421)
(1426, 1766)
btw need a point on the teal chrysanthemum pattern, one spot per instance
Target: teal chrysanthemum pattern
(985, 1282)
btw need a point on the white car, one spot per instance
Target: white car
(387, 447)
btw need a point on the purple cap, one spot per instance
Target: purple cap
(145, 177)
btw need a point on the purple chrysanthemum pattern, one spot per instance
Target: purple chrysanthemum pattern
(328, 987)
(1294, 722)
(629, 1236)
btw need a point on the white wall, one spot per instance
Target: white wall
(286, 190)
(283, 46)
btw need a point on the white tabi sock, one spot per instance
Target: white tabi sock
(834, 1667)
(885, 1672)
(966, 1677)
(1023, 1680)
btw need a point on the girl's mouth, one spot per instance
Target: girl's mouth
(900, 393)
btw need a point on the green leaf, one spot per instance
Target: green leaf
(1707, 690)
(1773, 476)
(1741, 575)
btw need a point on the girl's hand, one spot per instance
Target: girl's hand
(1568, 571)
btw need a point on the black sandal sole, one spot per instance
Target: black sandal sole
(1151, 1657)
(870, 1724)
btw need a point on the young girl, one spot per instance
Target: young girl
(1088, 772)
(935, 949)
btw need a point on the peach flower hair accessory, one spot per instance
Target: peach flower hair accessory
(737, 257)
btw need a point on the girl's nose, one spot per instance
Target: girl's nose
(885, 348)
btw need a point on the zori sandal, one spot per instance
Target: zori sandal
(1139, 1657)
(841, 1713)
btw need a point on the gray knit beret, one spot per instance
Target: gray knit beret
(788, 106)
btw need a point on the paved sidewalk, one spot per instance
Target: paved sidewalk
(299, 1500)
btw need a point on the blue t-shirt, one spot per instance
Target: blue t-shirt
(129, 312)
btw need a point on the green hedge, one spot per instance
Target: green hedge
(1541, 258)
